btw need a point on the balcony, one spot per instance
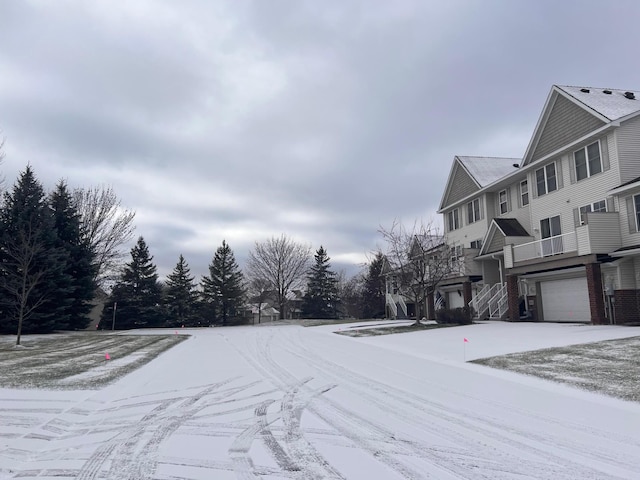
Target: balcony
(546, 247)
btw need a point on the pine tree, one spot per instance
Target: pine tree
(321, 297)
(79, 258)
(32, 264)
(137, 296)
(373, 292)
(180, 295)
(224, 288)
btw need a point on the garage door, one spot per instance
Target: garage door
(565, 300)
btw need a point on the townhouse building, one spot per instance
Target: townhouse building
(555, 235)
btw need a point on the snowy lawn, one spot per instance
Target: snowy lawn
(76, 360)
(287, 402)
(611, 367)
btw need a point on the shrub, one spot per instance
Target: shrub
(460, 316)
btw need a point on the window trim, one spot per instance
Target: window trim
(587, 160)
(453, 221)
(546, 178)
(636, 205)
(472, 217)
(505, 203)
(524, 193)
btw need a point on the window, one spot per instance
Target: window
(473, 210)
(456, 253)
(524, 193)
(551, 231)
(453, 220)
(546, 179)
(588, 161)
(600, 206)
(503, 201)
(476, 244)
(636, 202)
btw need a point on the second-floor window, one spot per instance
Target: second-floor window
(588, 161)
(453, 219)
(503, 201)
(456, 253)
(600, 206)
(473, 211)
(524, 193)
(546, 180)
(476, 244)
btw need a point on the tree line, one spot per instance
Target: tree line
(59, 248)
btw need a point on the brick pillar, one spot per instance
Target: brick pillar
(596, 300)
(466, 292)
(513, 298)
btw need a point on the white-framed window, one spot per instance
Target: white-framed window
(600, 206)
(503, 201)
(453, 219)
(546, 180)
(473, 211)
(588, 161)
(636, 204)
(524, 193)
(456, 253)
(476, 244)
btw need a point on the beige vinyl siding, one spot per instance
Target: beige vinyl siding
(573, 195)
(496, 243)
(601, 234)
(628, 143)
(462, 185)
(626, 275)
(567, 122)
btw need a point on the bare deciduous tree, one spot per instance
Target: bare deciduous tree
(106, 225)
(420, 259)
(22, 274)
(283, 263)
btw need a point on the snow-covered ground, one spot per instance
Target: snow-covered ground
(278, 402)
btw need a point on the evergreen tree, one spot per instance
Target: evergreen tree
(79, 272)
(180, 295)
(373, 291)
(321, 297)
(137, 296)
(32, 277)
(224, 288)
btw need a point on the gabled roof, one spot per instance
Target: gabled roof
(599, 106)
(480, 171)
(486, 170)
(613, 105)
(508, 227)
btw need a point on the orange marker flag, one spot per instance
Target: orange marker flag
(107, 356)
(466, 341)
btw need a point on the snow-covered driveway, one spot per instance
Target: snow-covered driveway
(292, 402)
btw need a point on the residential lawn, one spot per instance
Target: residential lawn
(76, 360)
(360, 331)
(611, 367)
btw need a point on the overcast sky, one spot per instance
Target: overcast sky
(322, 120)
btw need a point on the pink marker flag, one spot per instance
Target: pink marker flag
(466, 341)
(107, 356)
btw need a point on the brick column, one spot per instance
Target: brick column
(513, 297)
(466, 292)
(596, 300)
(431, 306)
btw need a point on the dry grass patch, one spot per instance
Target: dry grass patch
(76, 360)
(611, 367)
(365, 331)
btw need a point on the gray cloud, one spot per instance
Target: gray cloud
(239, 120)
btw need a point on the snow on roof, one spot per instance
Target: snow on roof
(486, 170)
(613, 105)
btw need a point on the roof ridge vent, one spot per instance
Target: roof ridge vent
(630, 95)
(608, 92)
(584, 90)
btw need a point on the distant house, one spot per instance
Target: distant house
(554, 236)
(261, 313)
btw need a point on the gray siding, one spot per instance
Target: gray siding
(462, 185)
(628, 137)
(567, 122)
(496, 243)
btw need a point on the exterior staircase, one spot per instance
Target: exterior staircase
(491, 302)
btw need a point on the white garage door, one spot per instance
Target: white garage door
(565, 300)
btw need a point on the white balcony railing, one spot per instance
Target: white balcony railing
(545, 247)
